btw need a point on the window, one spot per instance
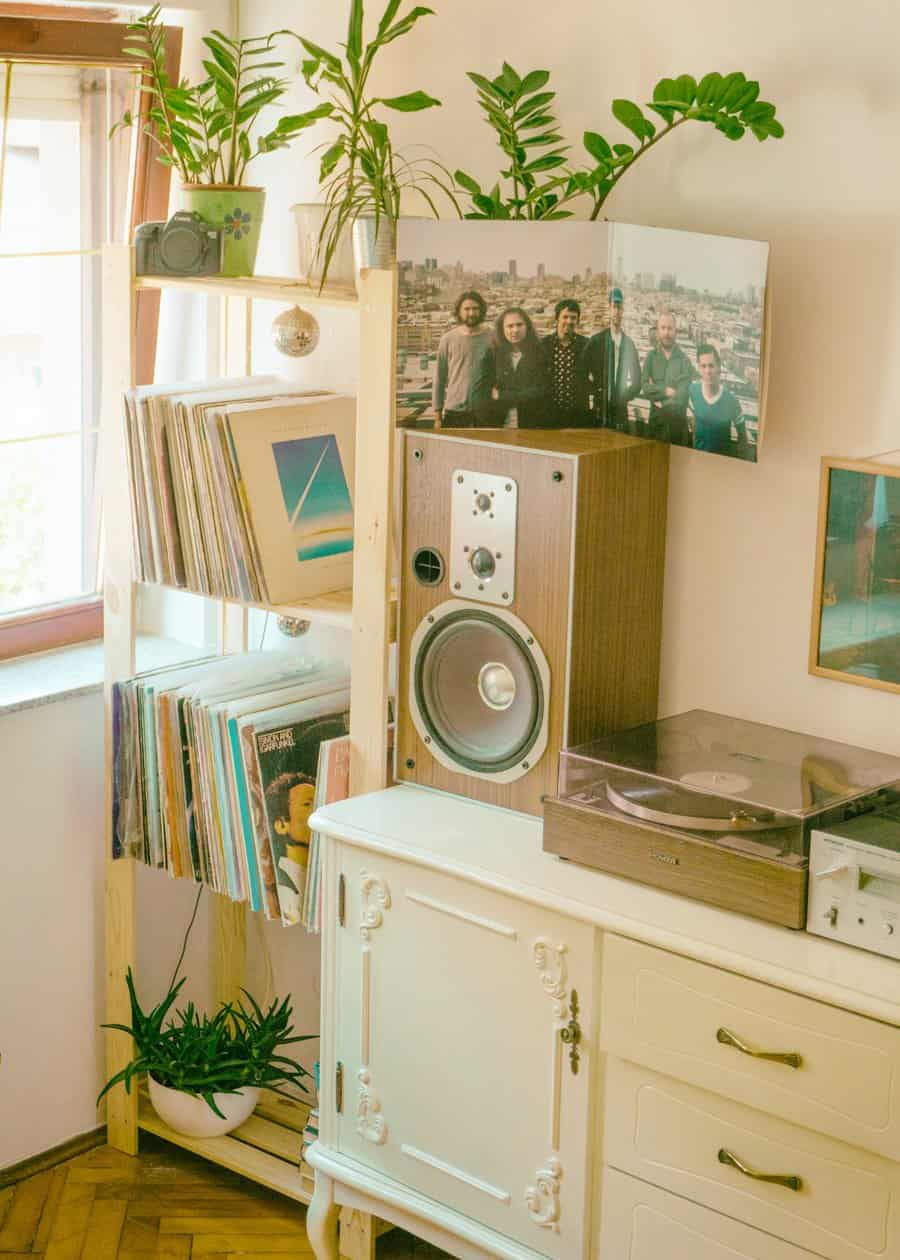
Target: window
(64, 191)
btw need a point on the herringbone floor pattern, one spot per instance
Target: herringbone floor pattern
(165, 1204)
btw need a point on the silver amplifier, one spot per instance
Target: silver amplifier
(854, 882)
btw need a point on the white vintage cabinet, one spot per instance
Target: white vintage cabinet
(736, 1094)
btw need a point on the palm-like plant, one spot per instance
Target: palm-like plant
(238, 1046)
(360, 172)
(208, 131)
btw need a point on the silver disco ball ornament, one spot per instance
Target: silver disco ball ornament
(295, 332)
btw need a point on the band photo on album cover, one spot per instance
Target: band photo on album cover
(646, 331)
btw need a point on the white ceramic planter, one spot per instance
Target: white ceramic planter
(191, 1116)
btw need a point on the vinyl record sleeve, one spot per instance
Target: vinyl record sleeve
(295, 463)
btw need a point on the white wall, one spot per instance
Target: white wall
(741, 538)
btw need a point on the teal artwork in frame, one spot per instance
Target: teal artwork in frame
(316, 495)
(856, 615)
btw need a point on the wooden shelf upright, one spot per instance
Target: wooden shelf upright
(263, 1148)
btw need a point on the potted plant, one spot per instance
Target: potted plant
(205, 1073)
(361, 175)
(209, 132)
(520, 111)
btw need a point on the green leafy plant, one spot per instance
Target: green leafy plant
(208, 132)
(360, 172)
(204, 1055)
(522, 115)
(730, 103)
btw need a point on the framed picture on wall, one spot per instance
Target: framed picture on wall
(856, 602)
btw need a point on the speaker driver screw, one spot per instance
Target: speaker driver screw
(460, 480)
(427, 739)
(417, 455)
(557, 476)
(456, 586)
(505, 595)
(430, 619)
(524, 765)
(508, 486)
(529, 642)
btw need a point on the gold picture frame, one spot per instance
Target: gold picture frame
(855, 634)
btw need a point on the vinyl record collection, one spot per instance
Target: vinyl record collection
(218, 765)
(242, 488)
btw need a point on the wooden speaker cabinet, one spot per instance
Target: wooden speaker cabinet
(530, 603)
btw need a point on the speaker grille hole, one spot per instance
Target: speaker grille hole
(428, 566)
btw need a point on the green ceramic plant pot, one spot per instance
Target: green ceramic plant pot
(239, 211)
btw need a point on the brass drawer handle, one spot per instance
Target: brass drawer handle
(729, 1039)
(789, 1181)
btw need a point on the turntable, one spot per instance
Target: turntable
(712, 807)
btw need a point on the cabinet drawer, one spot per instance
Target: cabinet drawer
(844, 1202)
(690, 1021)
(642, 1222)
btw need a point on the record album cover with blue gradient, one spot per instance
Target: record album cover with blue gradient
(316, 495)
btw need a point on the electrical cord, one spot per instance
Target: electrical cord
(187, 934)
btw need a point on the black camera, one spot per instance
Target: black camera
(185, 246)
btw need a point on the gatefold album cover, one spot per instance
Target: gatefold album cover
(643, 330)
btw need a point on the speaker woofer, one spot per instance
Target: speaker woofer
(479, 691)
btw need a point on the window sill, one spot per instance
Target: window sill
(77, 670)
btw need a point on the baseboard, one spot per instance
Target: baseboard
(56, 1155)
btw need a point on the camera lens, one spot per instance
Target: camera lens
(181, 247)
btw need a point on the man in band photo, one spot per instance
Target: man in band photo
(615, 368)
(568, 371)
(715, 409)
(665, 381)
(464, 372)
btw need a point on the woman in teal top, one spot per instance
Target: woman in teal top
(715, 409)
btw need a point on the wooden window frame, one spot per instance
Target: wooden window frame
(28, 33)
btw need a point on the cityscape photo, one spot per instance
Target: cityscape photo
(648, 331)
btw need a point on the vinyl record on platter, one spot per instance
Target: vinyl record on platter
(672, 807)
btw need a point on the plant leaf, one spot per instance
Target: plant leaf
(597, 146)
(410, 102)
(709, 88)
(534, 80)
(354, 31)
(468, 183)
(405, 24)
(630, 116)
(489, 88)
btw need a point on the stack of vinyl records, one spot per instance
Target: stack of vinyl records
(242, 488)
(215, 767)
(332, 784)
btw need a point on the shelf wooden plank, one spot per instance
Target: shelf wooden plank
(274, 1139)
(335, 609)
(290, 1115)
(239, 1156)
(267, 288)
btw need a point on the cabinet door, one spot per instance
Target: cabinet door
(641, 1222)
(450, 1004)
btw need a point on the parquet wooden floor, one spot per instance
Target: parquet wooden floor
(165, 1204)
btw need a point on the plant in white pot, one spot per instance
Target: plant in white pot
(361, 174)
(205, 1073)
(210, 132)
